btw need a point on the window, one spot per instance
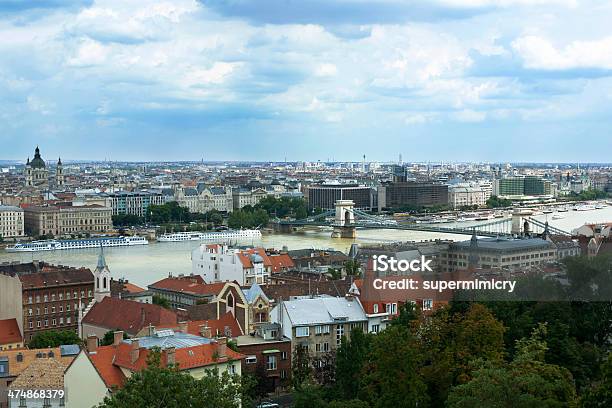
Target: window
(318, 347)
(326, 347)
(30, 312)
(375, 328)
(375, 308)
(283, 355)
(302, 331)
(339, 334)
(318, 330)
(427, 304)
(250, 360)
(31, 325)
(283, 374)
(231, 369)
(271, 364)
(30, 299)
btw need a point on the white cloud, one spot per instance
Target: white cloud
(326, 70)
(469, 116)
(89, 52)
(540, 53)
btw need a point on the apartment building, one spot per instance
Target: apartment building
(464, 194)
(11, 222)
(319, 323)
(52, 298)
(217, 263)
(66, 220)
(134, 202)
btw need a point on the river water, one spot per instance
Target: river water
(145, 264)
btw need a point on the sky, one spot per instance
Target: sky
(269, 80)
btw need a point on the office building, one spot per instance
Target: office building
(324, 196)
(411, 194)
(66, 220)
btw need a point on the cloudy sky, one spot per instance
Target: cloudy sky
(451, 80)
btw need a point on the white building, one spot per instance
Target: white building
(465, 194)
(11, 222)
(319, 323)
(219, 263)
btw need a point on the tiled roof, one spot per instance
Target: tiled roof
(20, 359)
(186, 358)
(130, 287)
(217, 326)
(189, 284)
(9, 332)
(245, 257)
(42, 373)
(127, 315)
(281, 262)
(102, 360)
(289, 289)
(57, 277)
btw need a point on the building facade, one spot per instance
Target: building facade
(319, 323)
(468, 195)
(324, 196)
(67, 220)
(403, 194)
(133, 202)
(11, 222)
(219, 263)
(52, 299)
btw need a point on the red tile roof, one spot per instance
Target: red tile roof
(127, 315)
(217, 326)
(281, 262)
(51, 276)
(102, 360)
(245, 257)
(186, 358)
(130, 287)
(189, 284)
(9, 332)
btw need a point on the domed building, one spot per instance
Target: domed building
(37, 174)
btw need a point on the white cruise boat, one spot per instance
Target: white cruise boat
(53, 244)
(219, 236)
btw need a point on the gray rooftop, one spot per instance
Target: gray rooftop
(324, 310)
(504, 244)
(169, 338)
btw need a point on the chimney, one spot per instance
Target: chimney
(117, 337)
(150, 330)
(135, 351)
(205, 331)
(222, 347)
(170, 356)
(92, 343)
(183, 327)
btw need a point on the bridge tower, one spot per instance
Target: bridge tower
(344, 223)
(518, 222)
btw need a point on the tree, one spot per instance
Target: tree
(391, 378)
(301, 367)
(109, 337)
(526, 382)
(54, 338)
(600, 395)
(351, 358)
(352, 267)
(167, 387)
(161, 301)
(496, 202)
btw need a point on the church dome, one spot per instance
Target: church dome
(37, 162)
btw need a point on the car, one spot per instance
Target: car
(268, 404)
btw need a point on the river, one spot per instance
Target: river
(145, 264)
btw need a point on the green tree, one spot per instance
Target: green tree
(166, 387)
(391, 378)
(351, 359)
(301, 372)
(526, 382)
(352, 267)
(161, 301)
(600, 394)
(54, 338)
(109, 337)
(496, 202)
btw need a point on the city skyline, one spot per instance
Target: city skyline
(452, 81)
